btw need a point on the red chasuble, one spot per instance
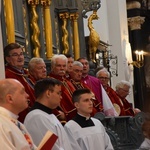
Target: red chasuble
(66, 103)
(11, 72)
(122, 106)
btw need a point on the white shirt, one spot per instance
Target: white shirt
(109, 109)
(11, 136)
(146, 144)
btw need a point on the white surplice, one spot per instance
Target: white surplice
(89, 138)
(39, 122)
(11, 137)
(145, 145)
(109, 109)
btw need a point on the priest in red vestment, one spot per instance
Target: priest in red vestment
(14, 69)
(37, 69)
(75, 77)
(122, 106)
(122, 90)
(58, 71)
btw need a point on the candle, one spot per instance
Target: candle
(142, 54)
(139, 56)
(136, 53)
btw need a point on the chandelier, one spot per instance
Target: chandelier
(139, 59)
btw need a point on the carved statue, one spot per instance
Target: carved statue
(89, 5)
(94, 38)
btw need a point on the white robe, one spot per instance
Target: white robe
(109, 109)
(146, 144)
(11, 137)
(89, 138)
(39, 122)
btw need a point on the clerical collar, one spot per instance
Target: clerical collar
(21, 71)
(42, 107)
(84, 77)
(8, 113)
(83, 121)
(86, 118)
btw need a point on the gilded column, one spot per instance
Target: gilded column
(9, 19)
(76, 45)
(48, 28)
(57, 36)
(25, 29)
(35, 28)
(64, 17)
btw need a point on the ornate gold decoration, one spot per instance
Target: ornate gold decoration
(117, 108)
(57, 37)
(139, 59)
(74, 17)
(136, 22)
(94, 38)
(64, 17)
(9, 19)
(48, 28)
(89, 5)
(46, 3)
(35, 28)
(25, 29)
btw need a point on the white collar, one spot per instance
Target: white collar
(87, 118)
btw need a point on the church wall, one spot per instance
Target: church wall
(118, 34)
(112, 28)
(101, 25)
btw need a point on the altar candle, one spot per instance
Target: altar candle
(142, 54)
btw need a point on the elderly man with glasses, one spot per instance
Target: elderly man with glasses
(122, 90)
(118, 97)
(14, 57)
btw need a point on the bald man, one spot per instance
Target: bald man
(13, 100)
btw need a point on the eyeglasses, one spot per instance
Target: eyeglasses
(16, 54)
(103, 78)
(127, 91)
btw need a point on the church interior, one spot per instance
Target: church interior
(111, 33)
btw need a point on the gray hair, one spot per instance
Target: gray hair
(33, 61)
(122, 83)
(58, 56)
(77, 63)
(103, 70)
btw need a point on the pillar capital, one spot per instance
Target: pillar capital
(33, 2)
(74, 16)
(46, 2)
(135, 22)
(64, 15)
